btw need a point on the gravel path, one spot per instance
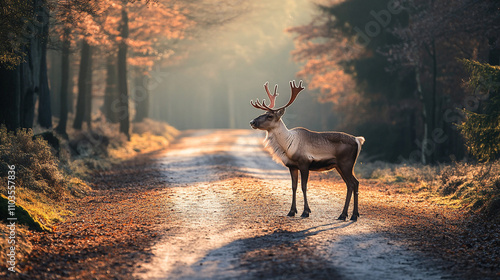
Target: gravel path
(214, 204)
(228, 203)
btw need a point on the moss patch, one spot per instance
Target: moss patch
(22, 215)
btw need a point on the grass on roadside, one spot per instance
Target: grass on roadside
(475, 187)
(40, 184)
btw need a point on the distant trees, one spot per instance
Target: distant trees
(98, 29)
(151, 40)
(121, 39)
(437, 36)
(123, 34)
(143, 39)
(340, 52)
(73, 25)
(390, 68)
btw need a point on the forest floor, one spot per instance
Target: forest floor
(214, 204)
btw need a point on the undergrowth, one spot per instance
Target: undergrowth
(40, 183)
(105, 146)
(475, 187)
(48, 178)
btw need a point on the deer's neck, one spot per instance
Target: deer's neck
(279, 141)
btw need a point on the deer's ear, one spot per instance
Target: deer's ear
(280, 112)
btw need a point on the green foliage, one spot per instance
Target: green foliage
(15, 17)
(481, 130)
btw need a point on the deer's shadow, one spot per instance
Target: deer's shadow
(280, 254)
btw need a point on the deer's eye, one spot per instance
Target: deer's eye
(269, 117)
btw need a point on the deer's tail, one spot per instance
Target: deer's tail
(360, 140)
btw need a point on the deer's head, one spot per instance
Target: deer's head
(272, 117)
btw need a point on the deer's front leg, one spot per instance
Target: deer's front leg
(304, 176)
(295, 177)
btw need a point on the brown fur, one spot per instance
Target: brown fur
(304, 150)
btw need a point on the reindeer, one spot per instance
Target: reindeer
(304, 150)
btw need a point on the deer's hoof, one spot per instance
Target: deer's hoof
(291, 213)
(342, 217)
(354, 217)
(305, 214)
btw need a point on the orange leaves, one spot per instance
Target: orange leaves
(326, 53)
(140, 46)
(151, 25)
(330, 78)
(144, 62)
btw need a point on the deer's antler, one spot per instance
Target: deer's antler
(272, 98)
(295, 92)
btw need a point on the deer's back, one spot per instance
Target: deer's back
(323, 149)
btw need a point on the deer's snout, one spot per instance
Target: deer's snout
(253, 124)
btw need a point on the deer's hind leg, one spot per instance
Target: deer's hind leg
(355, 189)
(304, 176)
(346, 172)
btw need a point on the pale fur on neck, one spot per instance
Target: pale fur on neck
(278, 142)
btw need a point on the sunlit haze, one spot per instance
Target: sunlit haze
(227, 66)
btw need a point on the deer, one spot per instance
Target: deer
(303, 150)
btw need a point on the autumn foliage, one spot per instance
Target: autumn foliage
(325, 53)
(391, 68)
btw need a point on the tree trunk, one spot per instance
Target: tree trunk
(111, 93)
(230, 100)
(10, 97)
(63, 93)
(435, 106)
(29, 79)
(84, 79)
(122, 75)
(71, 85)
(44, 106)
(494, 53)
(19, 85)
(55, 81)
(141, 97)
(87, 116)
(424, 143)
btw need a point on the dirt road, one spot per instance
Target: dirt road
(213, 206)
(226, 203)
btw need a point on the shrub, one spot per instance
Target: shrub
(42, 181)
(36, 166)
(155, 128)
(473, 186)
